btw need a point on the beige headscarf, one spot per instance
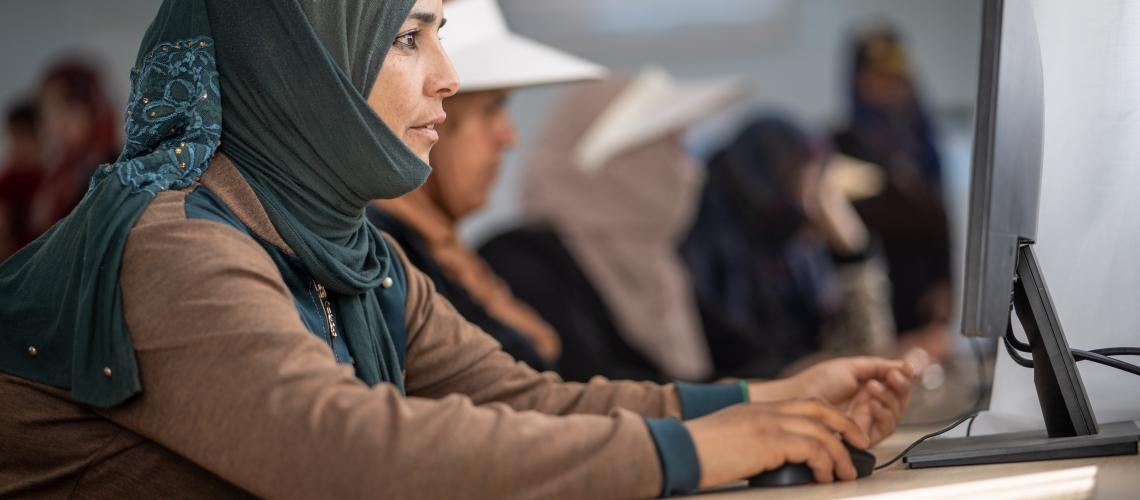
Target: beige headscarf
(623, 224)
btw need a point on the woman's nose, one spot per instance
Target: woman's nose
(444, 81)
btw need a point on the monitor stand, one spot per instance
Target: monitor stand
(1071, 427)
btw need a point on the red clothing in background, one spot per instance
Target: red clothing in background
(18, 183)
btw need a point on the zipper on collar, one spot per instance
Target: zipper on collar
(324, 296)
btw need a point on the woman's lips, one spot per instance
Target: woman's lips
(427, 131)
(427, 128)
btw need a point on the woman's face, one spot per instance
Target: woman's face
(66, 126)
(415, 79)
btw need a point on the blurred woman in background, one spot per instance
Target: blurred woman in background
(20, 175)
(608, 193)
(779, 258)
(890, 127)
(79, 130)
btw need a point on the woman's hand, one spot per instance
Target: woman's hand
(872, 391)
(744, 440)
(547, 343)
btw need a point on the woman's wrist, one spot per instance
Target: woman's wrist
(765, 391)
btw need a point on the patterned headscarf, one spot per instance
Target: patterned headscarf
(295, 75)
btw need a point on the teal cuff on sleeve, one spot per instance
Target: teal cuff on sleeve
(680, 468)
(698, 400)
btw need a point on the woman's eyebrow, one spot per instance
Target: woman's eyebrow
(427, 18)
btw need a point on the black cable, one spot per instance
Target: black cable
(1104, 351)
(1080, 355)
(1101, 356)
(923, 438)
(1009, 341)
(1117, 351)
(970, 426)
(1017, 343)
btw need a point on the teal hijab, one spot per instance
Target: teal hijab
(279, 86)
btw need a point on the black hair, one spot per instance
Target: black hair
(22, 116)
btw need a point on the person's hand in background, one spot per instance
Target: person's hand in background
(547, 343)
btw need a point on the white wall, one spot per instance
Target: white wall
(1089, 231)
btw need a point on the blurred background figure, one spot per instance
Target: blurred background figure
(889, 126)
(780, 259)
(465, 164)
(608, 193)
(20, 175)
(79, 131)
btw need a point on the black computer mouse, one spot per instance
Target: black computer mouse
(793, 474)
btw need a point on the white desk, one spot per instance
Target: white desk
(1115, 478)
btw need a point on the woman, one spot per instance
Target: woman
(779, 259)
(607, 196)
(79, 133)
(20, 174)
(465, 164)
(225, 325)
(890, 127)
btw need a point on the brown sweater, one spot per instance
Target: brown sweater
(238, 396)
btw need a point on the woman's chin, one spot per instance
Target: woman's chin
(419, 147)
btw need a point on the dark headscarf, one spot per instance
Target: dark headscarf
(764, 293)
(760, 172)
(295, 74)
(898, 137)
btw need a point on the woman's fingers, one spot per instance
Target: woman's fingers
(884, 421)
(887, 397)
(900, 383)
(861, 411)
(834, 419)
(883, 410)
(843, 467)
(798, 449)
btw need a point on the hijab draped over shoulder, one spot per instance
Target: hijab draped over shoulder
(280, 87)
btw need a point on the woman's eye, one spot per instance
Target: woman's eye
(407, 40)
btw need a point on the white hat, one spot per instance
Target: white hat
(650, 107)
(488, 56)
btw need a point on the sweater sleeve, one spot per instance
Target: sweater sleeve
(234, 382)
(447, 354)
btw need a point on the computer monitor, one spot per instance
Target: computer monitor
(1002, 275)
(1005, 182)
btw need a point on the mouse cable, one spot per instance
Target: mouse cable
(919, 441)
